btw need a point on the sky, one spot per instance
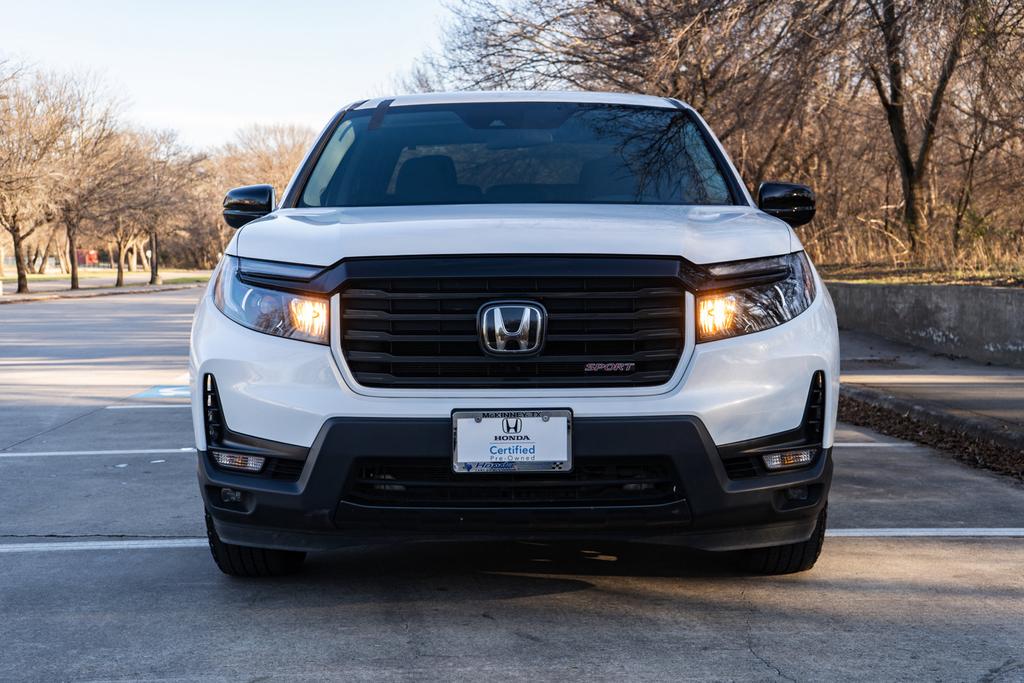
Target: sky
(208, 68)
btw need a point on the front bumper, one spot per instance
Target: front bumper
(706, 509)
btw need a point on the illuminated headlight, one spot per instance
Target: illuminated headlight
(786, 293)
(270, 311)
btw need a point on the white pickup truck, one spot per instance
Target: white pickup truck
(526, 315)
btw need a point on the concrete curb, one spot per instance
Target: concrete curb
(92, 293)
(977, 441)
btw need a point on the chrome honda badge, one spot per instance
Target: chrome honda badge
(511, 327)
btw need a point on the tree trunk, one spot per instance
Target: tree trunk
(154, 274)
(41, 269)
(912, 217)
(62, 258)
(19, 262)
(130, 258)
(73, 255)
(2, 256)
(120, 266)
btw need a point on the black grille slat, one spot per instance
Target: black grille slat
(421, 332)
(370, 356)
(285, 469)
(642, 335)
(435, 295)
(430, 482)
(382, 379)
(365, 314)
(742, 467)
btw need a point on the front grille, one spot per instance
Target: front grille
(422, 332)
(430, 482)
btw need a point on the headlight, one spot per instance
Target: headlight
(786, 292)
(267, 310)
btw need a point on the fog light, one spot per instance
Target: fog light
(238, 461)
(230, 496)
(782, 461)
(797, 493)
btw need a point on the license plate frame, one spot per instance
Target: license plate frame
(544, 423)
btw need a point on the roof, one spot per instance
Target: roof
(524, 96)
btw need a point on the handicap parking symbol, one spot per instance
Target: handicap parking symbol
(166, 391)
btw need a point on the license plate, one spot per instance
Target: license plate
(489, 441)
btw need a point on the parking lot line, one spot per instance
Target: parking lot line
(919, 532)
(875, 444)
(135, 451)
(145, 544)
(149, 405)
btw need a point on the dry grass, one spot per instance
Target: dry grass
(875, 273)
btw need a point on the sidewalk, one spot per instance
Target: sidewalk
(934, 397)
(92, 292)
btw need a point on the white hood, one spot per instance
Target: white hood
(701, 234)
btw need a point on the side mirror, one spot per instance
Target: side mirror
(245, 204)
(791, 202)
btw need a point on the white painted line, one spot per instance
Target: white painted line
(886, 379)
(138, 451)
(875, 444)
(58, 546)
(918, 532)
(149, 405)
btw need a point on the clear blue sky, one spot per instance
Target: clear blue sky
(209, 68)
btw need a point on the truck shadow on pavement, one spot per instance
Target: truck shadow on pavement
(562, 558)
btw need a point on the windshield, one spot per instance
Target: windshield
(517, 152)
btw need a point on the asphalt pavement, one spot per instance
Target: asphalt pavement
(104, 574)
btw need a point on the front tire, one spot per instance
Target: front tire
(790, 558)
(240, 560)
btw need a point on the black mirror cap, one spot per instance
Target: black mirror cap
(791, 202)
(245, 204)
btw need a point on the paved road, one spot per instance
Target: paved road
(875, 608)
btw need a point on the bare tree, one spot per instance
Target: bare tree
(90, 160)
(943, 27)
(35, 113)
(170, 172)
(794, 88)
(265, 154)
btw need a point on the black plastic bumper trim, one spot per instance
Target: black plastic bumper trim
(721, 513)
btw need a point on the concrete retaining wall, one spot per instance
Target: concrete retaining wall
(982, 323)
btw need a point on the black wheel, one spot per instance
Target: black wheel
(240, 560)
(790, 558)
